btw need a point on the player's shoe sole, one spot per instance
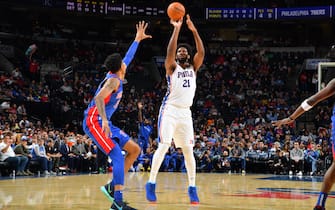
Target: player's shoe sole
(107, 194)
(121, 206)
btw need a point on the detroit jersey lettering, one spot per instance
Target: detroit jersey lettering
(111, 102)
(181, 87)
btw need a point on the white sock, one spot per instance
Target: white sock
(190, 164)
(157, 161)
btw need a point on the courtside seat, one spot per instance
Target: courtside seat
(5, 168)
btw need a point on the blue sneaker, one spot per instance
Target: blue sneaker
(121, 206)
(150, 189)
(192, 193)
(108, 190)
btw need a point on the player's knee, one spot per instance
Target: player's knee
(187, 149)
(137, 149)
(163, 146)
(162, 149)
(188, 153)
(134, 150)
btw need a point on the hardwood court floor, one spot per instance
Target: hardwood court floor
(216, 191)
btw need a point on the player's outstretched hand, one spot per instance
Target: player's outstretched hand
(281, 122)
(177, 23)
(189, 23)
(141, 26)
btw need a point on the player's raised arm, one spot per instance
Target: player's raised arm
(141, 26)
(170, 60)
(200, 54)
(140, 115)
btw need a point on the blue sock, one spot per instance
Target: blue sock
(118, 195)
(111, 186)
(112, 183)
(322, 199)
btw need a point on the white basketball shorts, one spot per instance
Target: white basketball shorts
(175, 123)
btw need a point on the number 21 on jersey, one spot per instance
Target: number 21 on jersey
(186, 83)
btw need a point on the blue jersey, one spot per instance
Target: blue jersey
(111, 102)
(92, 123)
(145, 131)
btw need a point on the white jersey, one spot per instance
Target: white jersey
(181, 87)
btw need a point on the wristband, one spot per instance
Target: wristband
(305, 106)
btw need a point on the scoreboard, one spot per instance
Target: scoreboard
(270, 13)
(230, 13)
(308, 12)
(265, 13)
(86, 6)
(107, 8)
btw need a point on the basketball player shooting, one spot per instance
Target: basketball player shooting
(175, 117)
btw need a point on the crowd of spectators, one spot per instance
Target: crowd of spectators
(25, 144)
(239, 93)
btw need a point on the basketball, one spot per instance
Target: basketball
(176, 11)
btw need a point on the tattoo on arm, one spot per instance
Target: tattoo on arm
(111, 84)
(109, 87)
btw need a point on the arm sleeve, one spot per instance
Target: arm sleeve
(130, 53)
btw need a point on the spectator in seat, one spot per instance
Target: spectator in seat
(24, 123)
(222, 163)
(311, 158)
(91, 155)
(237, 158)
(206, 161)
(280, 162)
(7, 154)
(252, 153)
(296, 159)
(21, 110)
(68, 157)
(275, 147)
(177, 160)
(39, 154)
(53, 153)
(144, 160)
(167, 162)
(79, 150)
(22, 150)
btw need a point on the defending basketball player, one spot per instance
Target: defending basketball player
(175, 117)
(97, 125)
(309, 103)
